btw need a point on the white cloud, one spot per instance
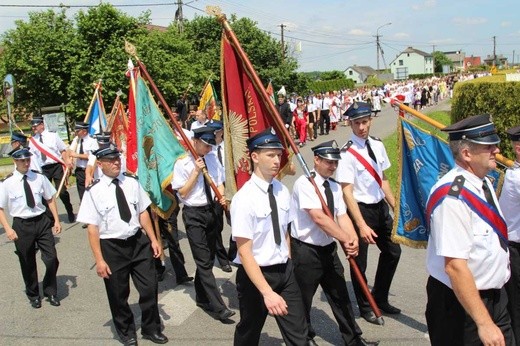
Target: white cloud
(469, 20)
(358, 32)
(425, 4)
(401, 35)
(505, 24)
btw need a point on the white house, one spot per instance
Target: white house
(411, 61)
(359, 74)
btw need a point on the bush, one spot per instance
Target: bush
(491, 95)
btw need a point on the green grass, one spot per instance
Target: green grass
(392, 145)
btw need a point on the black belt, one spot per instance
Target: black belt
(34, 218)
(490, 293)
(317, 247)
(51, 164)
(80, 168)
(201, 207)
(514, 244)
(372, 205)
(117, 240)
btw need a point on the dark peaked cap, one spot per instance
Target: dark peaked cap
(205, 134)
(266, 139)
(358, 110)
(19, 154)
(108, 152)
(327, 150)
(80, 125)
(477, 129)
(514, 133)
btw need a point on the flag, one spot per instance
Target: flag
(208, 101)
(118, 125)
(96, 116)
(246, 113)
(424, 159)
(131, 139)
(270, 92)
(158, 149)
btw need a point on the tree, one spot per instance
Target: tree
(40, 54)
(441, 60)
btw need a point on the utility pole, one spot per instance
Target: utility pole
(495, 50)
(433, 59)
(378, 46)
(513, 64)
(179, 18)
(282, 26)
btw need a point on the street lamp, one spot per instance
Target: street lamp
(378, 47)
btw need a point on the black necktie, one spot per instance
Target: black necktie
(330, 198)
(219, 154)
(370, 151)
(487, 193)
(44, 157)
(122, 204)
(81, 146)
(29, 198)
(274, 215)
(207, 188)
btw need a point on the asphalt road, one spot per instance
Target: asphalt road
(84, 318)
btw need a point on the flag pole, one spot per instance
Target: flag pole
(87, 116)
(396, 103)
(276, 117)
(130, 49)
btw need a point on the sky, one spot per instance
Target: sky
(334, 35)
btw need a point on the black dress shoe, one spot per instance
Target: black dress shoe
(157, 338)
(226, 268)
(184, 280)
(54, 300)
(36, 303)
(205, 306)
(225, 314)
(389, 309)
(84, 226)
(362, 342)
(71, 217)
(130, 342)
(370, 317)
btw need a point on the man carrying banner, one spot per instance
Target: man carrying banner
(52, 150)
(265, 280)
(467, 256)
(123, 243)
(199, 218)
(313, 248)
(367, 193)
(81, 147)
(509, 202)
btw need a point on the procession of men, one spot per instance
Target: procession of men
(285, 248)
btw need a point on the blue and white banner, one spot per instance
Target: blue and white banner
(424, 158)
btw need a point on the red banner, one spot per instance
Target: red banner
(119, 127)
(131, 143)
(246, 113)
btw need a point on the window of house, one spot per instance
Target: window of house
(401, 62)
(350, 73)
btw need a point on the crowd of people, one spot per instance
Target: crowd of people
(284, 241)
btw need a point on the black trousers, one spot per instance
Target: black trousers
(513, 288)
(377, 216)
(324, 121)
(448, 322)
(54, 172)
(201, 230)
(80, 181)
(253, 311)
(320, 265)
(131, 257)
(170, 232)
(220, 250)
(32, 232)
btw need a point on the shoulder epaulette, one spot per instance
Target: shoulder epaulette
(35, 171)
(92, 184)
(126, 174)
(375, 138)
(334, 180)
(8, 176)
(456, 186)
(346, 146)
